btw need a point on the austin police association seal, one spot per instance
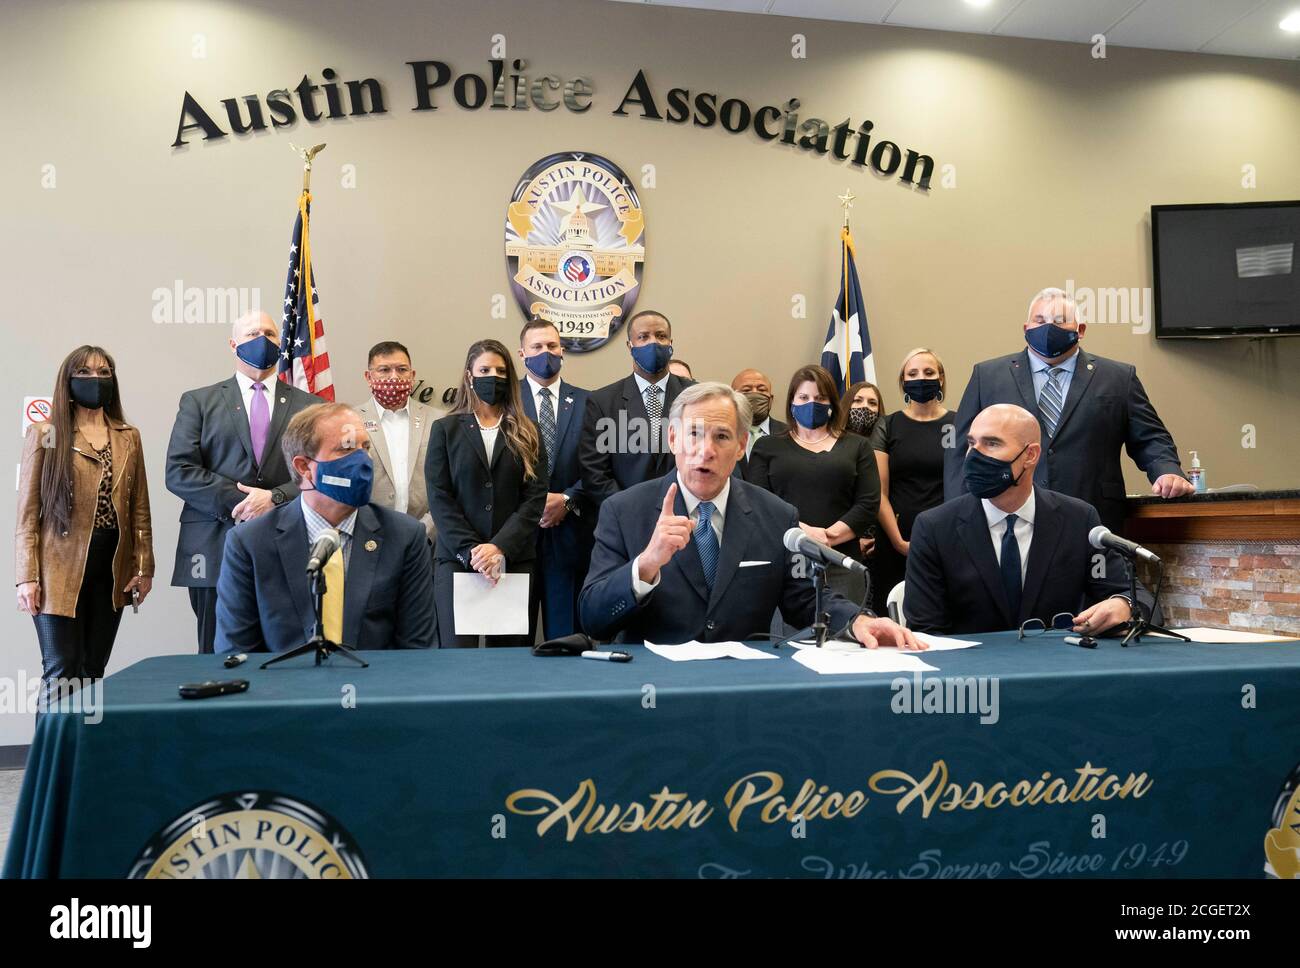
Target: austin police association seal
(575, 246)
(1282, 842)
(249, 836)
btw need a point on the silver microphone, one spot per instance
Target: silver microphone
(798, 542)
(1102, 537)
(325, 545)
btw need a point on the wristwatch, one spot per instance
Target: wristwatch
(278, 496)
(568, 504)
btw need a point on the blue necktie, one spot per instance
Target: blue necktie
(1010, 567)
(706, 542)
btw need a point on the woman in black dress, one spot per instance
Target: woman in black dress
(829, 475)
(911, 444)
(485, 471)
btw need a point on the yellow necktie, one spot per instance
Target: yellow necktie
(332, 605)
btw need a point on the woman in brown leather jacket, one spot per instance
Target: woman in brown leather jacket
(83, 542)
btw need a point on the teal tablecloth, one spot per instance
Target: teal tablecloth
(406, 768)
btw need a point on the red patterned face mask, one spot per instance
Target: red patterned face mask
(391, 394)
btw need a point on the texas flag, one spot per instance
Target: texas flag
(847, 353)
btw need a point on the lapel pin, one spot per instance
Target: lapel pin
(1090, 366)
(372, 545)
(283, 399)
(568, 399)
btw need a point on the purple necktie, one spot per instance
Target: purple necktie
(259, 421)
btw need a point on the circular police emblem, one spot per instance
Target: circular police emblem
(1282, 842)
(251, 836)
(575, 246)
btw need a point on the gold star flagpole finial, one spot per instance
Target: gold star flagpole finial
(846, 203)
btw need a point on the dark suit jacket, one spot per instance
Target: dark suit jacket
(614, 412)
(681, 608)
(211, 449)
(264, 599)
(1105, 409)
(472, 502)
(953, 581)
(774, 427)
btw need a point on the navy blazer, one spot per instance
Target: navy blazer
(1105, 409)
(954, 585)
(210, 449)
(571, 409)
(614, 413)
(264, 599)
(681, 607)
(474, 502)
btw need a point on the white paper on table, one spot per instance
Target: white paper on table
(942, 643)
(1216, 636)
(838, 662)
(484, 609)
(936, 643)
(707, 650)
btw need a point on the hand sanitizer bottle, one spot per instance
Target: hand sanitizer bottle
(1196, 474)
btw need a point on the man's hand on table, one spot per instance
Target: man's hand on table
(874, 632)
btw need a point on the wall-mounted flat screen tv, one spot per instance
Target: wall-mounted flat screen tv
(1226, 270)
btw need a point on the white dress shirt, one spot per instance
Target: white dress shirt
(489, 435)
(246, 391)
(553, 391)
(396, 425)
(765, 425)
(1024, 529)
(641, 589)
(642, 383)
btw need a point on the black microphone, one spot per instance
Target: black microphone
(325, 545)
(1101, 537)
(798, 542)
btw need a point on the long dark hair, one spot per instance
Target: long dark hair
(825, 384)
(520, 432)
(56, 468)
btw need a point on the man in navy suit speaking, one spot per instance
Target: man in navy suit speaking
(379, 584)
(698, 554)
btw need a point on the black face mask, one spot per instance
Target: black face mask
(923, 391)
(92, 392)
(491, 389)
(987, 477)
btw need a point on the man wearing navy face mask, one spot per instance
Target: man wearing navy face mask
(224, 460)
(1088, 407)
(1008, 551)
(379, 584)
(564, 538)
(623, 438)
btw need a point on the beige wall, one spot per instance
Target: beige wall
(1058, 157)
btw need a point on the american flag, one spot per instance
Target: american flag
(847, 353)
(304, 360)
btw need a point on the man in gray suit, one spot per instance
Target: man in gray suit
(1088, 408)
(399, 432)
(224, 460)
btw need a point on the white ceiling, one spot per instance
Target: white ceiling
(1246, 28)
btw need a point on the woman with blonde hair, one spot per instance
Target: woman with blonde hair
(486, 474)
(910, 447)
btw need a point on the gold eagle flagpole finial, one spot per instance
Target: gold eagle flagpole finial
(846, 203)
(306, 154)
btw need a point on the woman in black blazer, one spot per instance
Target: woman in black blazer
(485, 470)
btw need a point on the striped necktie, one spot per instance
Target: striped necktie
(706, 542)
(546, 422)
(1050, 401)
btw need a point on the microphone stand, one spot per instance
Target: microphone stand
(1139, 624)
(821, 628)
(322, 646)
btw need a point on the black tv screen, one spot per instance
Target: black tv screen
(1226, 270)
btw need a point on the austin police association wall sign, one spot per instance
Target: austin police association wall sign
(249, 836)
(575, 246)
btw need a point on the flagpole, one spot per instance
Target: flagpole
(846, 203)
(304, 252)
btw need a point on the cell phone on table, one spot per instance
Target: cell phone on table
(202, 690)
